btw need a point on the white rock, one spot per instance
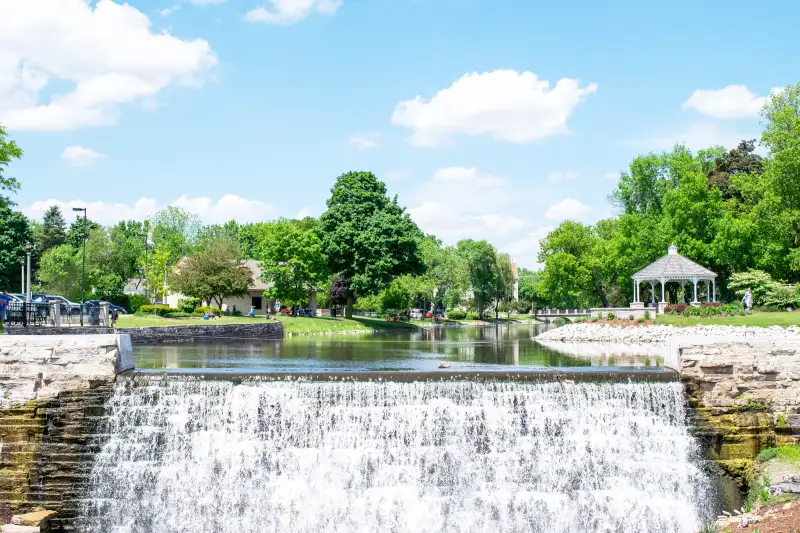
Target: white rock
(590, 332)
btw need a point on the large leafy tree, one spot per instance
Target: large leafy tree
(126, 243)
(481, 260)
(175, 232)
(79, 230)
(366, 236)
(8, 152)
(504, 282)
(53, 231)
(60, 271)
(15, 231)
(213, 273)
(293, 261)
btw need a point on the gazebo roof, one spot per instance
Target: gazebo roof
(673, 266)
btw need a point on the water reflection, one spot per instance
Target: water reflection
(422, 349)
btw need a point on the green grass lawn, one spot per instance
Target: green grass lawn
(295, 326)
(756, 319)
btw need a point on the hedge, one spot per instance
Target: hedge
(160, 310)
(203, 308)
(456, 314)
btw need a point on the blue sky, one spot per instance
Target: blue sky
(248, 110)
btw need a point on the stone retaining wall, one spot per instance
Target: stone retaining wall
(745, 394)
(52, 393)
(158, 334)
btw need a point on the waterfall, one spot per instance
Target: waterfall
(419, 457)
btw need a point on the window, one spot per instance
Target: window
(256, 302)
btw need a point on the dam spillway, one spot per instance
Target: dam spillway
(445, 456)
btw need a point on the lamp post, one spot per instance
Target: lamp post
(83, 266)
(28, 248)
(22, 290)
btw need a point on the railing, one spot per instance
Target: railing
(54, 314)
(554, 312)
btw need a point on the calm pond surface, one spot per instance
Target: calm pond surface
(465, 348)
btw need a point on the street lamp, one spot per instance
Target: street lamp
(28, 248)
(83, 267)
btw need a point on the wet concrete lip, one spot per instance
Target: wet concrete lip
(538, 375)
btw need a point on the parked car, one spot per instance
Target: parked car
(67, 307)
(111, 307)
(416, 314)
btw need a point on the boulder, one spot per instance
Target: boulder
(14, 528)
(40, 519)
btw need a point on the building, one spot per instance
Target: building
(673, 268)
(254, 297)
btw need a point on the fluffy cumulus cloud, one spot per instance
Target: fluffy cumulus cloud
(556, 177)
(291, 11)
(568, 209)
(506, 105)
(226, 208)
(733, 101)
(106, 52)
(78, 156)
(364, 141)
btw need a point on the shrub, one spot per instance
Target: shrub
(560, 321)
(188, 305)
(136, 301)
(675, 309)
(640, 320)
(611, 315)
(600, 315)
(209, 309)
(181, 314)
(630, 317)
(233, 313)
(646, 315)
(472, 315)
(456, 314)
(160, 310)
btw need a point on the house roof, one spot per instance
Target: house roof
(255, 268)
(673, 266)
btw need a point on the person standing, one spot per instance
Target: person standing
(748, 300)
(114, 317)
(4, 299)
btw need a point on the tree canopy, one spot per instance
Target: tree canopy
(8, 152)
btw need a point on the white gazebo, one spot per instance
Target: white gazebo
(675, 268)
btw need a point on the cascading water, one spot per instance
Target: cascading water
(421, 457)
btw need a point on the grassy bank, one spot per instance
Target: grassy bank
(295, 326)
(756, 319)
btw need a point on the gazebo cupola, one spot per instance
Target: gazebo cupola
(673, 268)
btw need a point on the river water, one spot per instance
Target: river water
(191, 455)
(464, 348)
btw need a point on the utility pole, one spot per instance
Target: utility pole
(83, 266)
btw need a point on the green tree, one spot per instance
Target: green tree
(446, 277)
(740, 160)
(481, 260)
(60, 271)
(530, 287)
(8, 152)
(53, 231)
(293, 261)
(213, 273)
(504, 282)
(367, 237)
(126, 242)
(395, 299)
(78, 231)
(175, 232)
(15, 231)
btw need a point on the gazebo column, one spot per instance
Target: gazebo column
(683, 292)
(634, 291)
(694, 280)
(708, 292)
(653, 291)
(663, 288)
(713, 291)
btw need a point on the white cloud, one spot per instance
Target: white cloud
(568, 209)
(462, 202)
(226, 208)
(78, 156)
(556, 177)
(303, 213)
(364, 141)
(733, 101)
(206, 2)
(506, 105)
(525, 251)
(106, 50)
(291, 11)
(169, 10)
(695, 137)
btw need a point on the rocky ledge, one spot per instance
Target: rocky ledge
(590, 332)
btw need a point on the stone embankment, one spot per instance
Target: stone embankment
(158, 334)
(52, 395)
(590, 332)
